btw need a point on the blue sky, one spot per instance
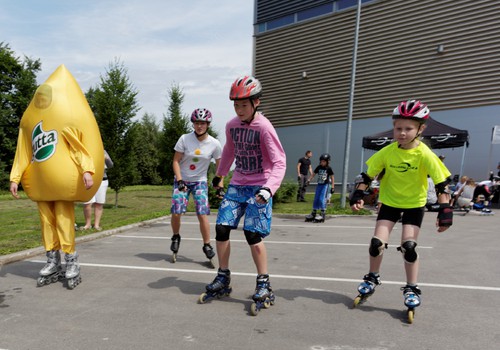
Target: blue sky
(202, 45)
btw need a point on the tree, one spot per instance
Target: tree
(114, 103)
(175, 124)
(147, 134)
(17, 87)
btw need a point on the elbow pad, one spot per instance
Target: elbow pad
(363, 178)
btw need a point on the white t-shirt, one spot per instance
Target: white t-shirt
(197, 156)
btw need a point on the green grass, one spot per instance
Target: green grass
(20, 223)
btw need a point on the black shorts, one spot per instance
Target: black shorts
(413, 216)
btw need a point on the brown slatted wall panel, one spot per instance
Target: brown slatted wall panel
(397, 59)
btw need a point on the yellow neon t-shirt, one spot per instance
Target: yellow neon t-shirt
(404, 184)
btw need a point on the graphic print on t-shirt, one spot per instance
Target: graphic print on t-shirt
(247, 149)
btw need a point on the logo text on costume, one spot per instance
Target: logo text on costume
(403, 167)
(43, 143)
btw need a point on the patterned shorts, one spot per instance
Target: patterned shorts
(180, 199)
(239, 201)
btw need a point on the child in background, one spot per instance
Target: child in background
(193, 154)
(325, 177)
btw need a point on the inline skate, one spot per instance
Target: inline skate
(264, 296)
(209, 252)
(367, 288)
(174, 247)
(319, 217)
(412, 300)
(310, 217)
(218, 288)
(52, 271)
(72, 270)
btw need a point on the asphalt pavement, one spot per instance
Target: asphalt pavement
(133, 297)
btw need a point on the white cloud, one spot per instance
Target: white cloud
(202, 45)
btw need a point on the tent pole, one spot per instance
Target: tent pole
(463, 160)
(362, 159)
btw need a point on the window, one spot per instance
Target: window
(343, 4)
(315, 11)
(280, 22)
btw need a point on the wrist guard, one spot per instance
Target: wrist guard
(181, 185)
(445, 215)
(264, 193)
(219, 192)
(356, 197)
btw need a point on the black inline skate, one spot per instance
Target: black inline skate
(209, 252)
(52, 271)
(367, 288)
(219, 287)
(264, 296)
(310, 217)
(174, 247)
(72, 270)
(412, 300)
(319, 217)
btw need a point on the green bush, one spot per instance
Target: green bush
(286, 193)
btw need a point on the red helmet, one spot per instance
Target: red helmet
(412, 109)
(201, 115)
(245, 87)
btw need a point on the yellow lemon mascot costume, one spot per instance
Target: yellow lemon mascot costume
(59, 160)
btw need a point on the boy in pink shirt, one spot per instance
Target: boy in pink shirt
(254, 146)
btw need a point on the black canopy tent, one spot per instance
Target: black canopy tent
(436, 135)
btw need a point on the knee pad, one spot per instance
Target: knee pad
(409, 251)
(222, 233)
(377, 247)
(252, 237)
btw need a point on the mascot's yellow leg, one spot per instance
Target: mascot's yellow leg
(58, 225)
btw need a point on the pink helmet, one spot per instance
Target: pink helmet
(201, 115)
(245, 87)
(412, 109)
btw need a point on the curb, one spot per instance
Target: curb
(24, 254)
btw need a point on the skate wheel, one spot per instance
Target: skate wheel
(411, 315)
(203, 298)
(357, 301)
(73, 282)
(40, 281)
(174, 257)
(254, 311)
(267, 304)
(211, 264)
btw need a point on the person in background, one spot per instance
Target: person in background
(98, 200)
(193, 154)
(304, 170)
(325, 177)
(458, 186)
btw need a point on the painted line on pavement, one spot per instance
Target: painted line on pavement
(316, 226)
(292, 277)
(270, 242)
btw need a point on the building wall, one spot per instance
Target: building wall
(397, 59)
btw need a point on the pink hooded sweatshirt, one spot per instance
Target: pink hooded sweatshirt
(260, 158)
